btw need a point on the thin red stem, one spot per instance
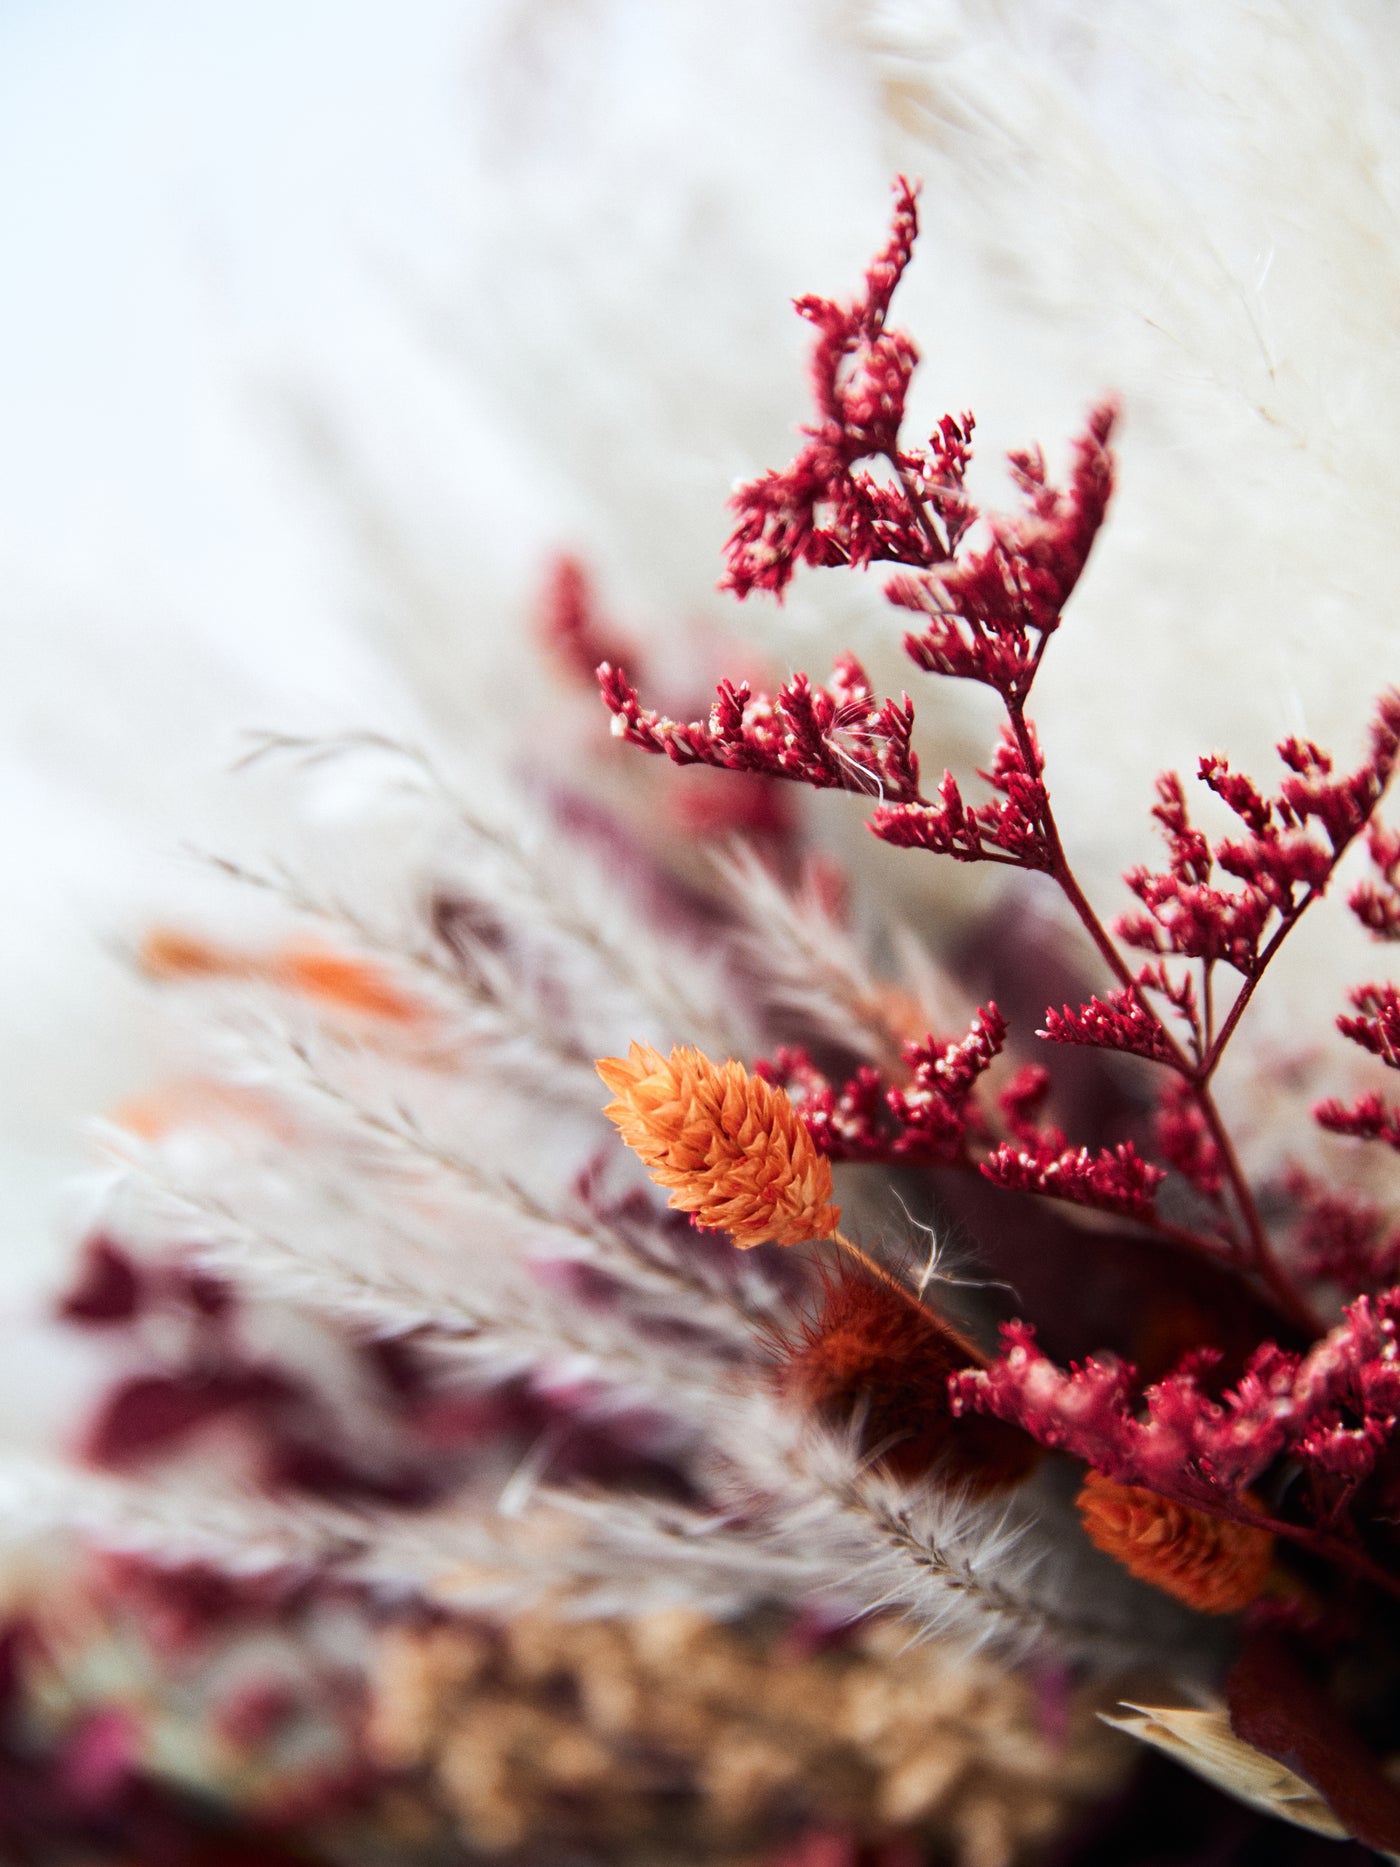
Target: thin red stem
(1196, 1072)
(1262, 1261)
(873, 1269)
(1330, 1549)
(1246, 992)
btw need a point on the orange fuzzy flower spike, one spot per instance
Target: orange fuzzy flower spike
(1209, 1563)
(730, 1147)
(869, 1357)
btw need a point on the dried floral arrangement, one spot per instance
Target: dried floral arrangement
(633, 1485)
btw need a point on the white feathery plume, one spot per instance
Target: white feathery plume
(396, 1142)
(373, 1187)
(172, 1520)
(555, 898)
(803, 960)
(307, 1257)
(472, 1006)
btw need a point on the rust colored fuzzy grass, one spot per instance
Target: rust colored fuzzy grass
(870, 1356)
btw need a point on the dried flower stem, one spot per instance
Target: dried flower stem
(1330, 1549)
(876, 1270)
(1261, 1259)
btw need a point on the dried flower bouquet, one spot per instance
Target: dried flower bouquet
(397, 1321)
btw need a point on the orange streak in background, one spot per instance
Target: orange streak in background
(315, 971)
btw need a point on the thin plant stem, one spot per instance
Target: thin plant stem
(1261, 1259)
(1196, 1072)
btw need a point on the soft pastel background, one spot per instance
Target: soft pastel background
(325, 324)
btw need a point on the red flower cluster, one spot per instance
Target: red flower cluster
(1012, 831)
(837, 738)
(988, 610)
(991, 610)
(1376, 901)
(819, 510)
(1121, 1022)
(1184, 1140)
(1333, 1410)
(1341, 1238)
(1281, 865)
(1115, 1179)
(1377, 1029)
(571, 628)
(935, 1119)
(928, 1120)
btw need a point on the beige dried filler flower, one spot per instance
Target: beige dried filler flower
(671, 1735)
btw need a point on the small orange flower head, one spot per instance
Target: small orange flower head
(1211, 1564)
(730, 1147)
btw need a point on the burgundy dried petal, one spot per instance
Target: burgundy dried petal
(1276, 1705)
(108, 1288)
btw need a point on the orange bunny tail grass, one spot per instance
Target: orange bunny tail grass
(1210, 1563)
(871, 1357)
(730, 1147)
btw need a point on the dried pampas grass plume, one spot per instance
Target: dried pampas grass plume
(730, 1147)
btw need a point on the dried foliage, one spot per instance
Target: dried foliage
(394, 1312)
(668, 1736)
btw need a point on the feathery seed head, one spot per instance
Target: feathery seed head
(1210, 1563)
(731, 1148)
